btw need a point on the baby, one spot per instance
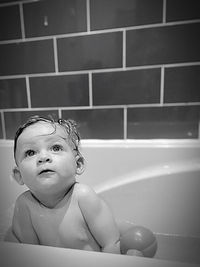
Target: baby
(56, 210)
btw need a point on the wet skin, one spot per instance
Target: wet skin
(56, 211)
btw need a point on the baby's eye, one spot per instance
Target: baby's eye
(29, 153)
(57, 148)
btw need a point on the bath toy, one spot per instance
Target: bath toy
(138, 238)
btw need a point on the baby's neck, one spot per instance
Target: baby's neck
(52, 201)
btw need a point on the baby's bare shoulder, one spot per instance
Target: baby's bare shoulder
(87, 197)
(83, 190)
(25, 198)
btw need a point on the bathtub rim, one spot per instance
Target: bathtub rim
(47, 255)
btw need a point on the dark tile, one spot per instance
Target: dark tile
(170, 44)
(182, 10)
(163, 122)
(97, 123)
(52, 17)
(10, 1)
(182, 84)
(26, 57)
(122, 13)
(126, 87)
(14, 119)
(10, 21)
(1, 129)
(90, 52)
(13, 93)
(62, 91)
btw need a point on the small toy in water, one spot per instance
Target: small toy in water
(138, 238)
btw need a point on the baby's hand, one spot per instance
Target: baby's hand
(134, 252)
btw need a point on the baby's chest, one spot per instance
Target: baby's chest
(73, 229)
(61, 227)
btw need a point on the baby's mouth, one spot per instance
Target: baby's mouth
(46, 171)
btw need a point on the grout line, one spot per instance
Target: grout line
(104, 31)
(170, 65)
(3, 125)
(164, 10)
(113, 106)
(22, 21)
(81, 72)
(157, 25)
(186, 64)
(90, 90)
(124, 51)
(59, 113)
(133, 105)
(28, 109)
(125, 123)
(28, 92)
(28, 39)
(103, 107)
(88, 15)
(162, 85)
(62, 108)
(77, 108)
(17, 2)
(16, 76)
(181, 104)
(55, 54)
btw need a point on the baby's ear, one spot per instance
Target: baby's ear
(17, 175)
(80, 165)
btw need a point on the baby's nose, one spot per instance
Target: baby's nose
(44, 157)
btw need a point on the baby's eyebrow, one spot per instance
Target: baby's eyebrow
(28, 144)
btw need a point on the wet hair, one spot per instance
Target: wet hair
(69, 126)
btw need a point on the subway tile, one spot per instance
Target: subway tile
(10, 23)
(62, 91)
(51, 17)
(1, 130)
(126, 87)
(123, 13)
(182, 10)
(10, 1)
(162, 45)
(97, 123)
(13, 93)
(14, 119)
(182, 84)
(90, 52)
(163, 122)
(26, 57)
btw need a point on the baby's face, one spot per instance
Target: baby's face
(45, 159)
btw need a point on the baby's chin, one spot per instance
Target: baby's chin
(49, 184)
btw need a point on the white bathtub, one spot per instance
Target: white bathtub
(152, 183)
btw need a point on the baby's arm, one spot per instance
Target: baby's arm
(99, 220)
(22, 230)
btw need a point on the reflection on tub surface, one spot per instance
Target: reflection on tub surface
(175, 217)
(155, 184)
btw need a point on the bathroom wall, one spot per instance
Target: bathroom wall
(121, 68)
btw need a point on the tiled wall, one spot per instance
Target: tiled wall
(120, 68)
